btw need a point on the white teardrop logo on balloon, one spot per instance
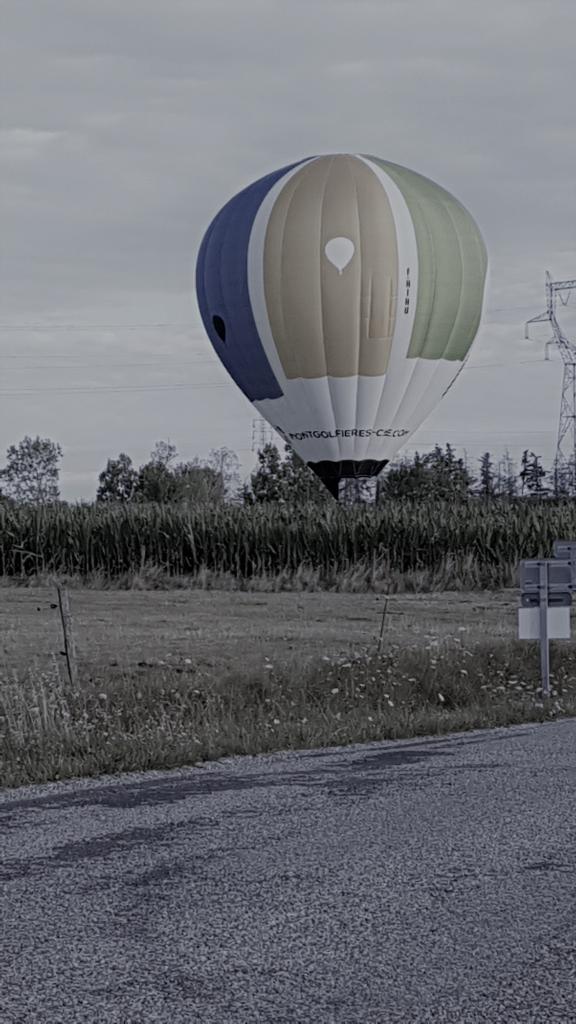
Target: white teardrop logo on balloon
(339, 251)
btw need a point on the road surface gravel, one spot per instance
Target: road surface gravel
(427, 880)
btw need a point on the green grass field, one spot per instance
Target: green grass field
(174, 677)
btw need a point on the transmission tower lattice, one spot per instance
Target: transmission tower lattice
(262, 434)
(566, 445)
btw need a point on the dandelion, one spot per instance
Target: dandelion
(335, 690)
(187, 661)
(276, 721)
(441, 698)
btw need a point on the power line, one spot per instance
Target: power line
(212, 362)
(109, 363)
(46, 325)
(164, 363)
(111, 387)
(93, 389)
(511, 366)
(97, 327)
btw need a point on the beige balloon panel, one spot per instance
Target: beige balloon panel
(348, 323)
(339, 252)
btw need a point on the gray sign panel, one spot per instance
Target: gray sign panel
(559, 575)
(565, 549)
(555, 600)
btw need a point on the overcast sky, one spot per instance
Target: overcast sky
(126, 125)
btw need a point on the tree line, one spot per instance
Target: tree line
(31, 476)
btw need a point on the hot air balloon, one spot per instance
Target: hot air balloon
(342, 293)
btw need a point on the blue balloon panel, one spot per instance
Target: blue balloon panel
(222, 291)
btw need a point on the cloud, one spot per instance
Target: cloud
(127, 126)
(17, 144)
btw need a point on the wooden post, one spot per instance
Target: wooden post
(69, 645)
(383, 622)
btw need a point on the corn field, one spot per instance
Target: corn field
(482, 542)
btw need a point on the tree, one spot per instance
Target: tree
(449, 476)
(163, 454)
(267, 481)
(225, 462)
(286, 481)
(437, 474)
(193, 481)
(300, 482)
(6, 501)
(118, 480)
(198, 483)
(358, 490)
(562, 478)
(532, 475)
(31, 475)
(155, 482)
(404, 479)
(507, 478)
(487, 488)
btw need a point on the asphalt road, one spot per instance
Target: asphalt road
(418, 881)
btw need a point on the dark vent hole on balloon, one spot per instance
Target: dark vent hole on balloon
(219, 327)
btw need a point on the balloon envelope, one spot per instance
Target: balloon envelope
(342, 293)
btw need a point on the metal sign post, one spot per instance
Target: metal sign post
(544, 614)
(544, 639)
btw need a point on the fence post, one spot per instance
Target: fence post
(385, 609)
(69, 644)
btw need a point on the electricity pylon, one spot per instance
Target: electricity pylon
(566, 444)
(262, 434)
